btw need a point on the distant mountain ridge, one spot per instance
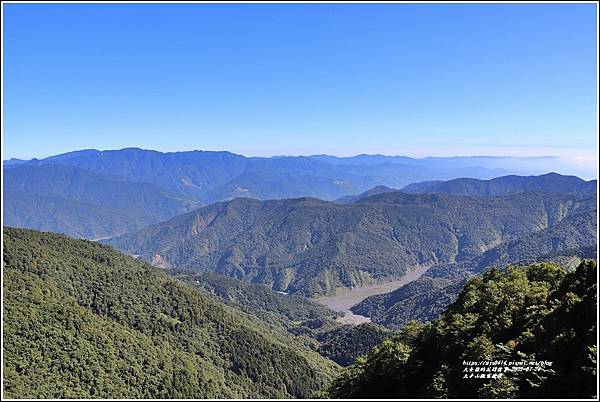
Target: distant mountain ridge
(551, 182)
(498, 186)
(349, 199)
(150, 186)
(64, 215)
(211, 176)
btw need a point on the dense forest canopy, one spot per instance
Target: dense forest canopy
(537, 313)
(84, 321)
(313, 324)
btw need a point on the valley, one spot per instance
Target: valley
(347, 298)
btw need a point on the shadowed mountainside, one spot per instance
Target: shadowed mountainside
(84, 204)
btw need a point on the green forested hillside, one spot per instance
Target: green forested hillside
(257, 299)
(313, 324)
(534, 313)
(82, 320)
(424, 299)
(346, 343)
(311, 247)
(294, 314)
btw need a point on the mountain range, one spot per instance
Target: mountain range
(84, 204)
(150, 204)
(94, 194)
(228, 255)
(82, 320)
(312, 247)
(498, 186)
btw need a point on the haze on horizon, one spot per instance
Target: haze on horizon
(584, 167)
(300, 79)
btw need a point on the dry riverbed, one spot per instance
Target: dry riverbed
(348, 298)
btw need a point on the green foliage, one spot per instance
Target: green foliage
(531, 313)
(378, 368)
(566, 242)
(81, 320)
(311, 247)
(313, 324)
(258, 300)
(346, 343)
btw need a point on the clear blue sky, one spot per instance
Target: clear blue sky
(421, 79)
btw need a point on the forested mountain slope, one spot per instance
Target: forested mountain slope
(311, 247)
(257, 299)
(313, 324)
(538, 313)
(428, 296)
(82, 320)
